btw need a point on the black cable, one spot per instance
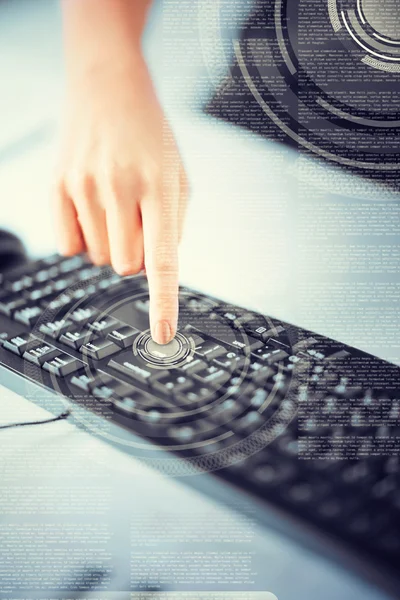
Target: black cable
(63, 415)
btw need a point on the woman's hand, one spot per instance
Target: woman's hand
(121, 189)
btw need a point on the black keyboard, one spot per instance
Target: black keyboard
(299, 421)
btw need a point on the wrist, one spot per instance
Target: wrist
(98, 69)
(103, 36)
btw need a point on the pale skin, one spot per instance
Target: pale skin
(121, 189)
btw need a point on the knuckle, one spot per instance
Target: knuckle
(152, 174)
(59, 189)
(115, 183)
(124, 184)
(81, 186)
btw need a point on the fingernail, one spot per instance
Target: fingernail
(162, 332)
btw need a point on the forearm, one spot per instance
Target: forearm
(102, 32)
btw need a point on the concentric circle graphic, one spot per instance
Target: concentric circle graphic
(201, 424)
(327, 74)
(172, 356)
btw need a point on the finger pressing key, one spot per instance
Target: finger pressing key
(160, 231)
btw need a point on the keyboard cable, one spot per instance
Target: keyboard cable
(60, 417)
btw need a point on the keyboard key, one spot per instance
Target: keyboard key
(303, 345)
(195, 334)
(104, 325)
(10, 303)
(63, 365)
(142, 305)
(189, 433)
(197, 304)
(84, 315)
(108, 282)
(59, 285)
(90, 380)
(17, 344)
(39, 352)
(239, 345)
(255, 325)
(196, 339)
(193, 366)
(226, 411)
(269, 354)
(44, 275)
(28, 315)
(257, 397)
(259, 372)
(152, 410)
(123, 336)
(233, 315)
(53, 259)
(252, 345)
(131, 367)
(278, 356)
(62, 302)
(196, 396)
(184, 434)
(127, 406)
(40, 292)
(240, 389)
(263, 353)
(170, 383)
(212, 376)
(209, 350)
(99, 349)
(19, 284)
(112, 388)
(55, 329)
(264, 333)
(72, 264)
(247, 345)
(231, 361)
(83, 381)
(250, 422)
(76, 339)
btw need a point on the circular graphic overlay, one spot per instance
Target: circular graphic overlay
(383, 17)
(163, 351)
(327, 73)
(169, 356)
(201, 401)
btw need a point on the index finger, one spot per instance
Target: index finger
(160, 233)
